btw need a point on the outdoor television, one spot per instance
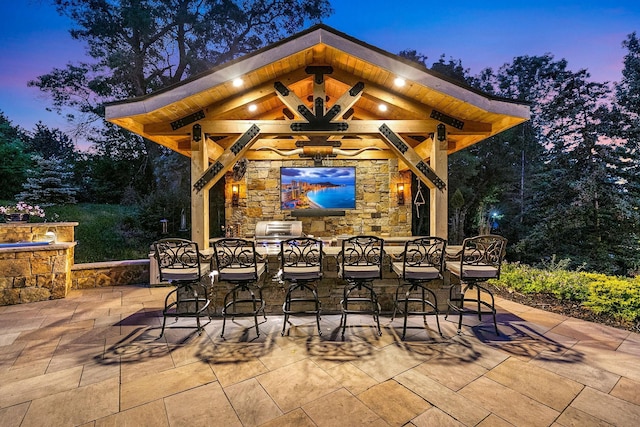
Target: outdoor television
(317, 188)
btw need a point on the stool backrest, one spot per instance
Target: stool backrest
(423, 258)
(361, 257)
(178, 259)
(236, 259)
(482, 256)
(301, 258)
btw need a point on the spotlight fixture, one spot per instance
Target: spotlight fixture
(400, 193)
(238, 82)
(252, 107)
(235, 195)
(399, 81)
(383, 107)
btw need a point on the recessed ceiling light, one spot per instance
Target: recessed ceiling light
(382, 107)
(253, 107)
(237, 82)
(399, 81)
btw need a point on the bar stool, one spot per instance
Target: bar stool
(238, 264)
(422, 262)
(359, 264)
(181, 264)
(480, 260)
(301, 268)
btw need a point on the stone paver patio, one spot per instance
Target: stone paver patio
(93, 359)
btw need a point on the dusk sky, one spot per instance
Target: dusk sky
(588, 34)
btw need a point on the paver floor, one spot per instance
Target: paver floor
(94, 359)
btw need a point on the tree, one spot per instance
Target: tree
(555, 179)
(415, 56)
(51, 143)
(452, 69)
(626, 127)
(15, 160)
(139, 46)
(49, 183)
(143, 45)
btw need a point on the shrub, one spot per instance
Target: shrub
(562, 284)
(619, 297)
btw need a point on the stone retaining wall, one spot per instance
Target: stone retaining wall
(111, 273)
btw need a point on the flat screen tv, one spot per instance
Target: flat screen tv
(317, 188)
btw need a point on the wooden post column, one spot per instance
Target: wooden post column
(439, 218)
(199, 199)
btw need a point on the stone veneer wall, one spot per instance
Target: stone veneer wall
(377, 211)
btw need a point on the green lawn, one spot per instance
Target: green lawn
(104, 232)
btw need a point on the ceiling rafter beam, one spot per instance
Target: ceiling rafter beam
(227, 159)
(292, 101)
(281, 127)
(417, 165)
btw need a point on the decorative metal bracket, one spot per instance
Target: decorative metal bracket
(320, 121)
(431, 174)
(319, 72)
(447, 120)
(198, 115)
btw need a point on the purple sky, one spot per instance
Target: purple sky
(589, 34)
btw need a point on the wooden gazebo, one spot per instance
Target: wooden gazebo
(319, 94)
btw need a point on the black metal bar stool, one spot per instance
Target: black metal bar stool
(480, 260)
(238, 263)
(301, 268)
(181, 264)
(359, 264)
(422, 262)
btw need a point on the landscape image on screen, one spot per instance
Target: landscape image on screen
(317, 188)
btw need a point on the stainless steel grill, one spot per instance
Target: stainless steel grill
(273, 232)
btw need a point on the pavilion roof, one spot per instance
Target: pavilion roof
(413, 110)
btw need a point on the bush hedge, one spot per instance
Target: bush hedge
(618, 297)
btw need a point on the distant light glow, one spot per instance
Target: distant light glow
(253, 107)
(399, 81)
(238, 82)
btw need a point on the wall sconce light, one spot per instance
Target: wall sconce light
(400, 193)
(235, 195)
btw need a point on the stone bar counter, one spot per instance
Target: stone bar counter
(331, 286)
(35, 261)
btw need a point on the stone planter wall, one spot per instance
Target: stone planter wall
(35, 273)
